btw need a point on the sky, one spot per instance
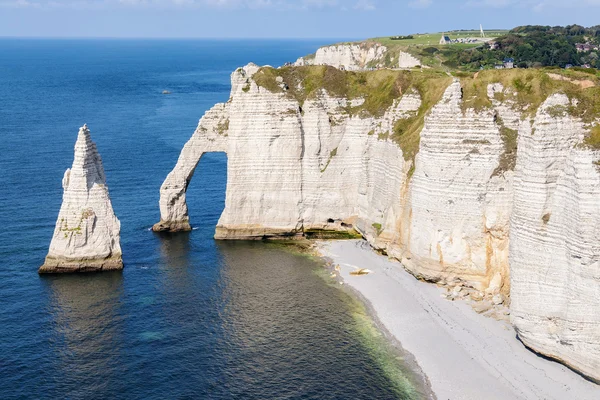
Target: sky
(351, 19)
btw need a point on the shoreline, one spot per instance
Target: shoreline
(461, 354)
(415, 375)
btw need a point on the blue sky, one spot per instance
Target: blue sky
(279, 18)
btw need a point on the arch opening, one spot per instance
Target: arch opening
(205, 193)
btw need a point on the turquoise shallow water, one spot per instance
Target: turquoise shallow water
(188, 317)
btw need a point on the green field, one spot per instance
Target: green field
(432, 39)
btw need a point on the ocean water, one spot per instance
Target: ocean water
(188, 317)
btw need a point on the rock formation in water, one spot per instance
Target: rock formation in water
(465, 182)
(358, 56)
(87, 233)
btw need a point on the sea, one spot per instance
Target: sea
(188, 317)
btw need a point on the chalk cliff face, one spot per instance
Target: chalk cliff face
(457, 212)
(357, 56)
(555, 240)
(87, 233)
(512, 226)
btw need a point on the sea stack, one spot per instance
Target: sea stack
(87, 233)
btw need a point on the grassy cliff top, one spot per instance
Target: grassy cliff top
(529, 88)
(526, 89)
(378, 88)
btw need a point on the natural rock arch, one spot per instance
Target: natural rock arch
(209, 137)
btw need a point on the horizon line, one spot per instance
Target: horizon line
(180, 37)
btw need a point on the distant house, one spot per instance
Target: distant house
(494, 45)
(586, 66)
(445, 39)
(581, 47)
(568, 66)
(499, 66)
(509, 63)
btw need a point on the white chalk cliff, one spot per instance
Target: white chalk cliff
(87, 233)
(521, 228)
(555, 240)
(358, 56)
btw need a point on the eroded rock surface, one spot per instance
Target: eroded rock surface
(359, 56)
(87, 233)
(555, 241)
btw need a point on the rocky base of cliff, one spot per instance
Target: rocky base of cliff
(172, 226)
(62, 265)
(258, 232)
(532, 346)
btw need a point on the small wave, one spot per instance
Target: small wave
(195, 229)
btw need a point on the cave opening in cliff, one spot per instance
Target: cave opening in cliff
(205, 194)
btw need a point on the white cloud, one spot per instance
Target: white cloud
(317, 3)
(17, 4)
(420, 3)
(489, 3)
(366, 5)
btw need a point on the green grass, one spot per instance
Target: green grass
(407, 131)
(222, 127)
(508, 158)
(531, 87)
(332, 154)
(378, 88)
(378, 228)
(331, 234)
(593, 138)
(433, 39)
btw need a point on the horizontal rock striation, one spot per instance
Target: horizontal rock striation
(87, 233)
(554, 241)
(511, 226)
(458, 209)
